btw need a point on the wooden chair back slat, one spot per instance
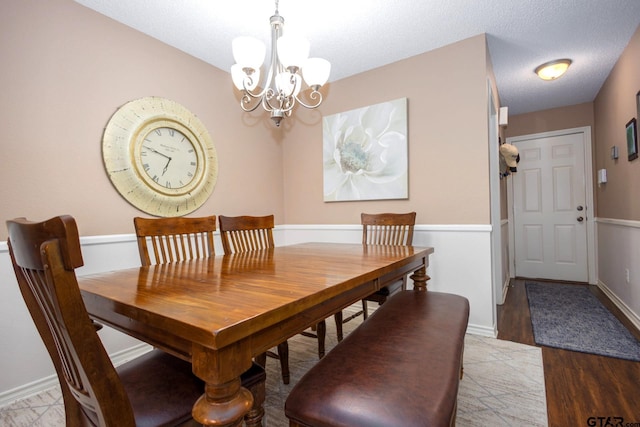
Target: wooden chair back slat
(174, 239)
(246, 233)
(44, 257)
(388, 228)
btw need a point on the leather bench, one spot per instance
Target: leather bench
(401, 367)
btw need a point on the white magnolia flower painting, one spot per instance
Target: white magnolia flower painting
(365, 153)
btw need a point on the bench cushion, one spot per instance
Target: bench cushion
(401, 367)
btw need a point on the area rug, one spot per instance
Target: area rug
(570, 317)
(503, 382)
(503, 385)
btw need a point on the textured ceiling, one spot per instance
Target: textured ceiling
(359, 35)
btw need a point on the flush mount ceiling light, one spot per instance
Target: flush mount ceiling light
(289, 65)
(553, 70)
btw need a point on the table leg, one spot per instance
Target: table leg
(420, 279)
(223, 404)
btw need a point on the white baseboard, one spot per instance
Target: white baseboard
(628, 313)
(505, 289)
(51, 381)
(482, 331)
(28, 390)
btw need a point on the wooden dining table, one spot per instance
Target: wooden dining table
(220, 312)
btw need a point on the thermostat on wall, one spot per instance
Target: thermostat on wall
(602, 176)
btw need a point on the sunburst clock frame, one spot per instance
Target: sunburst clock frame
(160, 157)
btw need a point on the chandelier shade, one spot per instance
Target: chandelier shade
(316, 71)
(248, 52)
(290, 66)
(293, 51)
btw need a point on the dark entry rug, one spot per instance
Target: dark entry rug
(570, 317)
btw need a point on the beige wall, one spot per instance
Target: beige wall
(65, 70)
(448, 153)
(549, 120)
(614, 106)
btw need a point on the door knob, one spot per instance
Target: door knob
(580, 219)
(580, 208)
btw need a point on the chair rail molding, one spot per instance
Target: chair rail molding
(460, 265)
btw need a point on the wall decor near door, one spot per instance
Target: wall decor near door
(365, 153)
(632, 139)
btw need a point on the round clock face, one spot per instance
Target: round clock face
(160, 157)
(168, 157)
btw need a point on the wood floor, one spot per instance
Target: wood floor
(582, 389)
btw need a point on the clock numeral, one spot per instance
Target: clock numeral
(158, 131)
(190, 150)
(146, 166)
(168, 185)
(143, 153)
(171, 132)
(156, 179)
(189, 174)
(192, 163)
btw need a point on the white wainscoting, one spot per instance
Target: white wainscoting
(24, 361)
(461, 265)
(619, 251)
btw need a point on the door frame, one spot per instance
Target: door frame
(590, 222)
(498, 280)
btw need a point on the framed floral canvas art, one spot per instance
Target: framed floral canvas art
(365, 153)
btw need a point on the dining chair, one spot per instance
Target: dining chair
(391, 229)
(249, 233)
(155, 389)
(174, 239)
(395, 229)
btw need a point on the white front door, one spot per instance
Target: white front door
(549, 208)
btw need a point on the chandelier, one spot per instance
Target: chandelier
(290, 65)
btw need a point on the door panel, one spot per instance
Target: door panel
(550, 237)
(533, 240)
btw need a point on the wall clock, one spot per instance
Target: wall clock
(159, 157)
